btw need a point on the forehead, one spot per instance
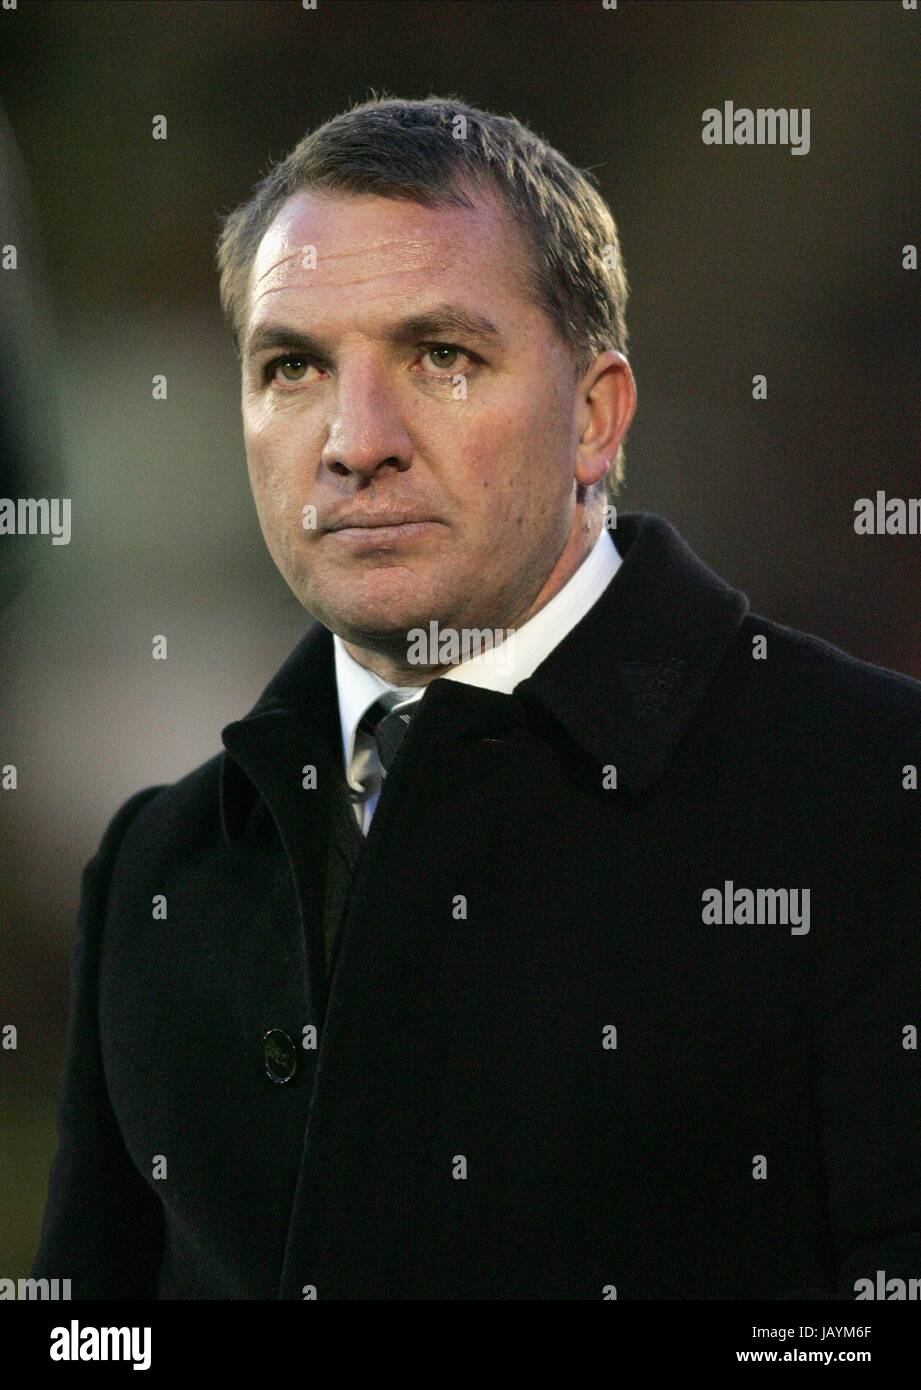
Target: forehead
(381, 249)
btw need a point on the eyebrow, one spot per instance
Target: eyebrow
(444, 318)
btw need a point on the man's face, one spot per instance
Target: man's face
(369, 423)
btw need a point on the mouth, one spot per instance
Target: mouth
(377, 534)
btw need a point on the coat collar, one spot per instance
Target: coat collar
(624, 683)
(628, 679)
(300, 698)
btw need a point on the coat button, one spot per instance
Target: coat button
(280, 1056)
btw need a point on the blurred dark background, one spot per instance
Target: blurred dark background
(742, 260)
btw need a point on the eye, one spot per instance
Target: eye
(449, 357)
(438, 352)
(293, 360)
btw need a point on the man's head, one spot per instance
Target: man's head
(428, 302)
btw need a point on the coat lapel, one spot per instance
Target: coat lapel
(286, 752)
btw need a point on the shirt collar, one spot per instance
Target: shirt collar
(500, 669)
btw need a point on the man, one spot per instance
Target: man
(576, 960)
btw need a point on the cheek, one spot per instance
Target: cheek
(493, 458)
(270, 479)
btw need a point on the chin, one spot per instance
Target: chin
(377, 609)
(376, 627)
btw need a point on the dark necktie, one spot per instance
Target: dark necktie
(387, 730)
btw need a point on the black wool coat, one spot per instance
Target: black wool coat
(558, 1057)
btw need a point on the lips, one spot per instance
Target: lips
(365, 522)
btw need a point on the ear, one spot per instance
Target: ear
(605, 405)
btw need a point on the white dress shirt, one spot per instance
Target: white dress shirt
(500, 669)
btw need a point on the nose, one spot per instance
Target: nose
(367, 431)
